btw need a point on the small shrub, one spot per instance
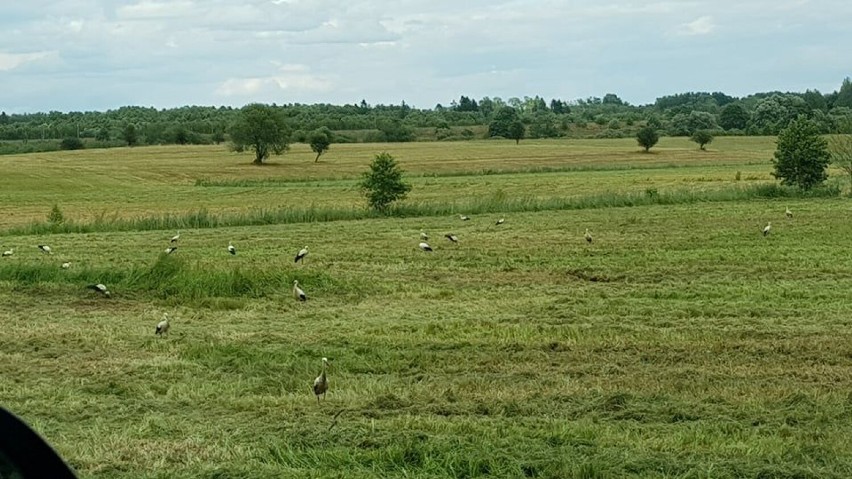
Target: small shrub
(383, 184)
(55, 217)
(739, 175)
(72, 143)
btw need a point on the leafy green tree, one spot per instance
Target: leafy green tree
(130, 135)
(702, 137)
(103, 134)
(647, 137)
(733, 117)
(544, 125)
(261, 128)
(383, 184)
(841, 153)
(502, 123)
(320, 141)
(517, 130)
(844, 96)
(218, 136)
(801, 155)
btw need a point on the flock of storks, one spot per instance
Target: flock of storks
(320, 385)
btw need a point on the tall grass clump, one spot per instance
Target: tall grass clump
(498, 202)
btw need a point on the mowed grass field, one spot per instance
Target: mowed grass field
(681, 343)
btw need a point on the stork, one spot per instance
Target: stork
(9, 252)
(171, 249)
(175, 238)
(767, 228)
(424, 236)
(788, 213)
(588, 236)
(425, 246)
(464, 217)
(100, 288)
(163, 326)
(297, 291)
(500, 221)
(302, 253)
(452, 237)
(231, 248)
(66, 265)
(45, 249)
(321, 382)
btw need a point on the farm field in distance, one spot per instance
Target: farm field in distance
(680, 343)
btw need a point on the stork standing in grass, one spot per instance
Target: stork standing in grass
(302, 253)
(424, 236)
(464, 217)
(45, 249)
(321, 382)
(175, 238)
(452, 237)
(100, 288)
(588, 236)
(171, 249)
(9, 252)
(66, 265)
(500, 221)
(425, 246)
(767, 228)
(231, 248)
(788, 213)
(297, 291)
(163, 326)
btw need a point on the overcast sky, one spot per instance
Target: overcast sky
(99, 54)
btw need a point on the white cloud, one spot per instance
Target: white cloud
(10, 61)
(289, 78)
(700, 26)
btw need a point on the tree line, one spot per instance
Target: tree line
(681, 114)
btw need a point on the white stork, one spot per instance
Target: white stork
(464, 217)
(9, 252)
(170, 249)
(163, 326)
(66, 265)
(100, 288)
(788, 213)
(321, 382)
(452, 237)
(425, 246)
(175, 238)
(424, 236)
(500, 221)
(231, 248)
(302, 253)
(297, 291)
(45, 249)
(767, 228)
(588, 236)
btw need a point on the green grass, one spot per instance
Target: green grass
(680, 343)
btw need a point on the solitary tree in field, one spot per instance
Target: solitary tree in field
(504, 119)
(320, 141)
(517, 130)
(841, 153)
(260, 128)
(801, 157)
(647, 137)
(129, 135)
(383, 184)
(702, 137)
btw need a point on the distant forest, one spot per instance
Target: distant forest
(463, 119)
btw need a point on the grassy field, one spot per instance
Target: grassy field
(681, 343)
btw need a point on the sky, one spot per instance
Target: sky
(84, 55)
